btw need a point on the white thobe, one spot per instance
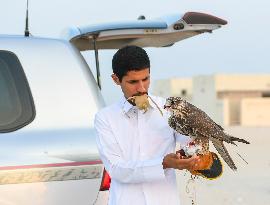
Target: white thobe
(132, 145)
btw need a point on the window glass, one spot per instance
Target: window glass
(16, 103)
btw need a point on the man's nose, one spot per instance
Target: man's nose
(141, 87)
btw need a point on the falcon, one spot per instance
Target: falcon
(189, 120)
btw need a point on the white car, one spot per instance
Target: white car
(48, 99)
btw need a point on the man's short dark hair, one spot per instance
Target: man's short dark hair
(129, 58)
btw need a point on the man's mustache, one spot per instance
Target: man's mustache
(139, 94)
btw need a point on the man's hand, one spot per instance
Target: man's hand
(176, 161)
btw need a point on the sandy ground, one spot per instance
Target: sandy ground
(249, 185)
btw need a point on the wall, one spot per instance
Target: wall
(204, 97)
(255, 112)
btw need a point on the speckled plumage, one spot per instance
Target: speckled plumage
(189, 120)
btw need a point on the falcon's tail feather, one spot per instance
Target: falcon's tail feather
(224, 153)
(231, 139)
(238, 140)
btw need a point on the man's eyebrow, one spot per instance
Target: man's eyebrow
(147, 77)
(134, 81)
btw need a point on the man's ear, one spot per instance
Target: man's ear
(115, 79)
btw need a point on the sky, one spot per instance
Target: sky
(241, 46)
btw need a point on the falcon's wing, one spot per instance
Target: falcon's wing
(202, 123)
(204, 115)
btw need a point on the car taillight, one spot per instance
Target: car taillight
(106, 181)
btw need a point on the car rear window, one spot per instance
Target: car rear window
(16, 102)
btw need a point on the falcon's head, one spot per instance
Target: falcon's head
(174, 104)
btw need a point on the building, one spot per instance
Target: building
(230, 99)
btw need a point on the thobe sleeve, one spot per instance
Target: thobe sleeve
(125, 171)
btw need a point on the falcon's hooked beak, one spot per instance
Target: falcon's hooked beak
(166, 107)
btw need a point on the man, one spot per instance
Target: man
(137, 147)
